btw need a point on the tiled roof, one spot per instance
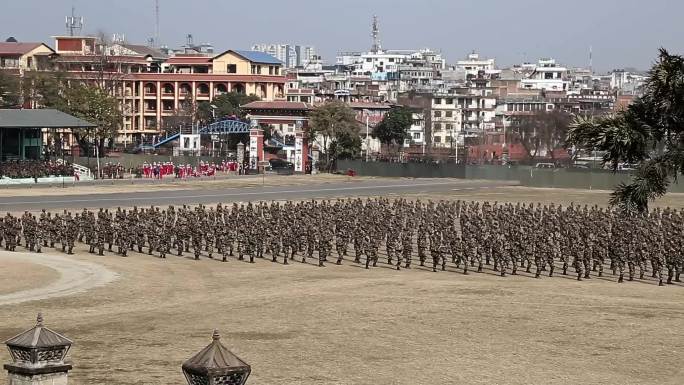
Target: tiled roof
(98, 59)
(258, 57)
(189, 60)
(144, 50)
(215, 359)
(38, 337)
(17, 48)
(368, 105)
(276, 105)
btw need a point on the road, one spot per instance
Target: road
(380, 187)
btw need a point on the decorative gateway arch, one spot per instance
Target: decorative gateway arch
(232, 126)
(256, 139)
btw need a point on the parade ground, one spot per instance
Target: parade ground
(134, 320)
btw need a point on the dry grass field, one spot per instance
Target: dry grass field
(300, 324)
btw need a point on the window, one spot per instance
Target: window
(449, 127)
(231, 69)
(438, 114)
(449, 114)
(270, 70)
(450, 101)
(391, 60)
(438, 139)
(438, 101)
(369, 60)
(438, 126)
(416, 135)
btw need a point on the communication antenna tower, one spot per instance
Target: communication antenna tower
(74, 24)
(156, 23)
(375, 33)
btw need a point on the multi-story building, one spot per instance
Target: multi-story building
(546, 75)
(473, 66)
(150, 94)
(19, 57)
(626, 82)
(447, 120)
(417, 130)
(291, 55)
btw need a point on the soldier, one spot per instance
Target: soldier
(71, 232)
(422, 241)
(407, 246)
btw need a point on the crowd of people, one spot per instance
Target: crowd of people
(445, 235)
(112, 171)
(21, 169)
(182, 171)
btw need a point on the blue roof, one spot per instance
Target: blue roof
(258, 57)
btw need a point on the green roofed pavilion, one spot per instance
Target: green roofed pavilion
(20, 131)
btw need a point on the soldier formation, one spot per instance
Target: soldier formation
(464, 235)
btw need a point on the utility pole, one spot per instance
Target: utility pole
(367, 138)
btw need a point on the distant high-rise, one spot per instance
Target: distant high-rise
(291, 55)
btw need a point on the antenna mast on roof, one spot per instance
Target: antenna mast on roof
(156, 24)
(591, 59)
(375, 33)
(74, 24)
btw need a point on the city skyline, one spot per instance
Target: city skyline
(455, 29)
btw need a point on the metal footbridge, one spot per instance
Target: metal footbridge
(223, 127)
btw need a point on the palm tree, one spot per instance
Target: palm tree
(650, 132)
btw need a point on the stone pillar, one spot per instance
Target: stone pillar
(315, 155)
(241, 153)
(256, 148)
(299, 166)
(38, 357)
(301, 148)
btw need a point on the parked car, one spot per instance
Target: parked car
(281, 165)
(545, 165)
(626, 167)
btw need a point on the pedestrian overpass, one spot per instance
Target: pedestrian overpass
(222, 127)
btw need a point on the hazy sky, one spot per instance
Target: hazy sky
(623, 33)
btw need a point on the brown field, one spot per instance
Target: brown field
(301, 324)
(175, 184)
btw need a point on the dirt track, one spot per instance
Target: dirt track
(301, 324)
(44, 276)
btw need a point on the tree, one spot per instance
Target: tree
(649, 133)
(10, 95)
(46, 90)
(229, 104)
(393, 129)
(96, 106)
(330, 122)
(543, 130)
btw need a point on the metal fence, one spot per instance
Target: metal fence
(575, 178)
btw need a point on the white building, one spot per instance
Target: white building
(473, 65)
(446, 120)
(417, 130)
(546, 75)
(625, 81)
(384, 64)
